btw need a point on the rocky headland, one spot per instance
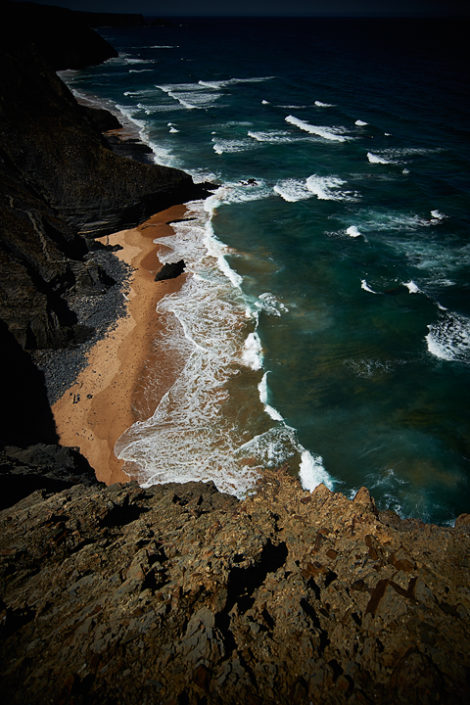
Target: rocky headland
(174, 594)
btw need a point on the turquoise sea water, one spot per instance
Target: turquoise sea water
(326, 323)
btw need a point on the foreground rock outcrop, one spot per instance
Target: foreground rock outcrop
(180, 594)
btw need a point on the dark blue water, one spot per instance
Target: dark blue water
(345, 276)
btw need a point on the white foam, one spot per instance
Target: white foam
(437, 215)
(319, 104)
(271, 136)
(312, 473)
(145, 91)
(292, 190)
(412, 287)
(376, 220)
(230, 146)
(161, 154)
(335, 134)
(268, 303)
(395, 155)
(265, 102)
(449, 338)
(376, 159)
(252, 355)
(139, 70)
(234, 81)
(190, 436)
(366, 287)
(191, 96)
(263, 395)
(328, 188)
(353, 231)
(164, 46)
(236, 192)
(361, 123)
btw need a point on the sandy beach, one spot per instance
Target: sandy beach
(107, 396)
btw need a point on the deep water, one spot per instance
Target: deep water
(334, 257)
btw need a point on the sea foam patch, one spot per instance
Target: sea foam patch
(191, 96)
(449, 338)
(332, 133)
(398, 155)
(292, 190)
(378, 159)
(329, 188)
(222, 145)
(225, 83)
(272, 136)
(412, 287)
(325, 188)
(194, 433)
(353, 231)
(366, 287)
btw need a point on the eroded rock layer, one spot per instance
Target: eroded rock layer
(180, 594)
(59, 179)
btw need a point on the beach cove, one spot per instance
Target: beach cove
(107, 398)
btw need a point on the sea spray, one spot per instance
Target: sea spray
(214, 423)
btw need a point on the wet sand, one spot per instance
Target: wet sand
(109, 395)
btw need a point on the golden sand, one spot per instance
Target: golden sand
(105, 398)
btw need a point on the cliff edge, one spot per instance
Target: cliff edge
(180, 594)
(59, 179)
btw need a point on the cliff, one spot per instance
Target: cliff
(59, 177)
(180, 594)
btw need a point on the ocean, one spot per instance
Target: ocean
(325, 324)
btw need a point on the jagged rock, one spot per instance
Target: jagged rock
(48, 467)
(59, 176)
(170, 270)
(180, 594)
(102, 120)
(27, 416)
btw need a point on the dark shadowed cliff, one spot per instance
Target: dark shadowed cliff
(58, 176)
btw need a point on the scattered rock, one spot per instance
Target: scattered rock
(170, 270)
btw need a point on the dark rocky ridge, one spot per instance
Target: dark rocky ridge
(58, 177)
(180, 594)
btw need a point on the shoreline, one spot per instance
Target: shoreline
(106, 397)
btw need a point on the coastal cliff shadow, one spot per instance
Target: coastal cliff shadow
(27, 416)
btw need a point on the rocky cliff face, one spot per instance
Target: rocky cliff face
(179, 594)
(58, 177)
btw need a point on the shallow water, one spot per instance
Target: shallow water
(327, 319)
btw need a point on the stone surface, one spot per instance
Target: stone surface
(41, 466)
(59, 179)
(170, 270)
(179, 594)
